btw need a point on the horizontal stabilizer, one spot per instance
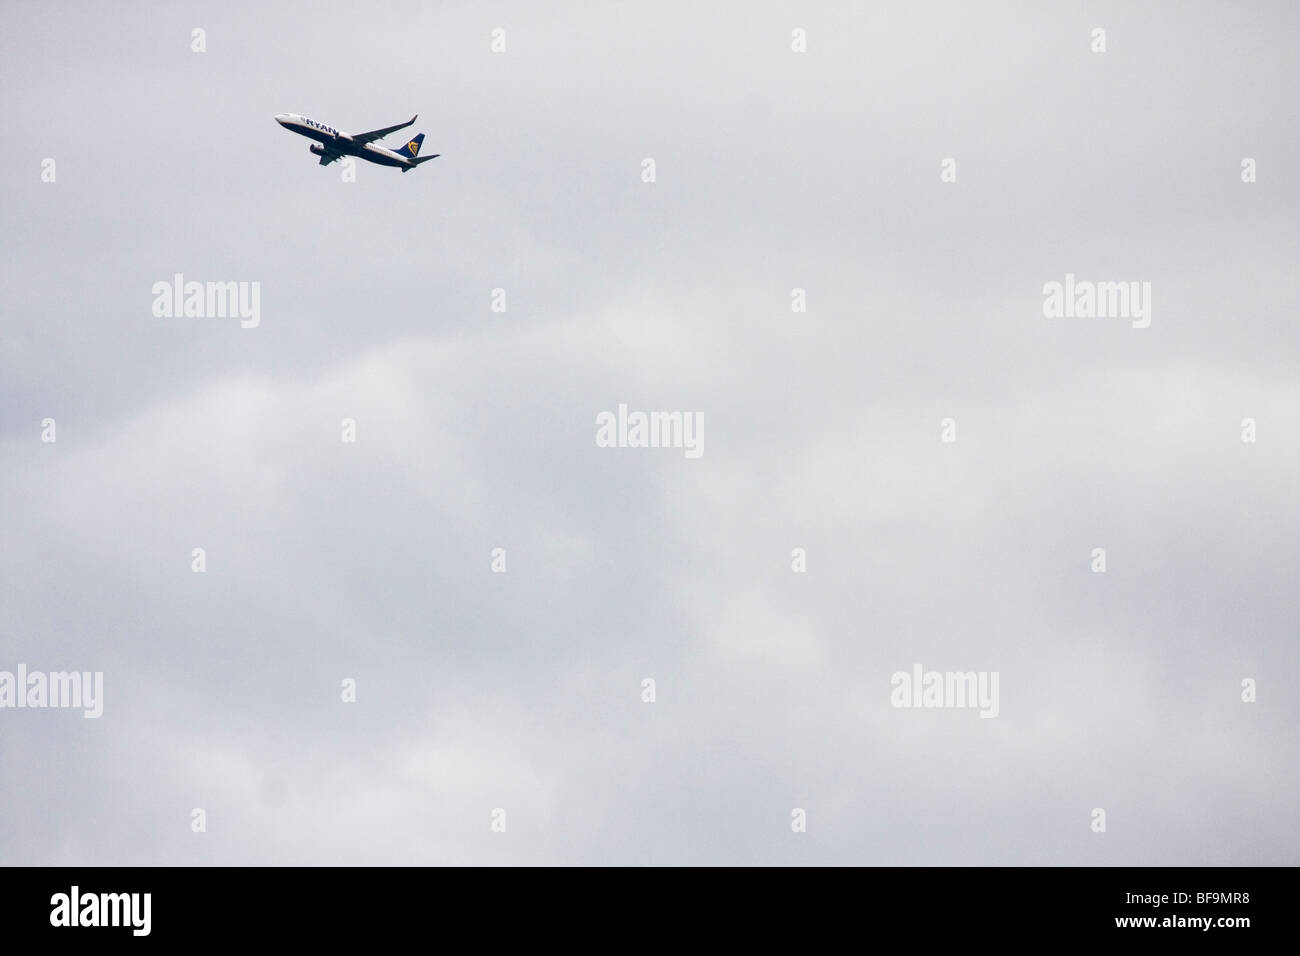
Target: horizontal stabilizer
(418, 161)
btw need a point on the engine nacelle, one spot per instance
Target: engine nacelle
(318, 149)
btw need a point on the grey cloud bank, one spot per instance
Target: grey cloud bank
(371, 561)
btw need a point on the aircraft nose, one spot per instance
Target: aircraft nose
(282, 118)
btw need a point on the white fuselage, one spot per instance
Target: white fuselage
(333, 141)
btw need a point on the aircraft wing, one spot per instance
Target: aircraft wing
(328, 157)
(375, 134)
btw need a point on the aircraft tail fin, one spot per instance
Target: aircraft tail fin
(412, 147)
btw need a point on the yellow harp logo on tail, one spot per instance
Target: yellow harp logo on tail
(413, 146)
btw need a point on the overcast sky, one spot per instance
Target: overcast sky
(775, 170)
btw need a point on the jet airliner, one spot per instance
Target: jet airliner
(331, 144)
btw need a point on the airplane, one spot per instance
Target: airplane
(331, 144)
